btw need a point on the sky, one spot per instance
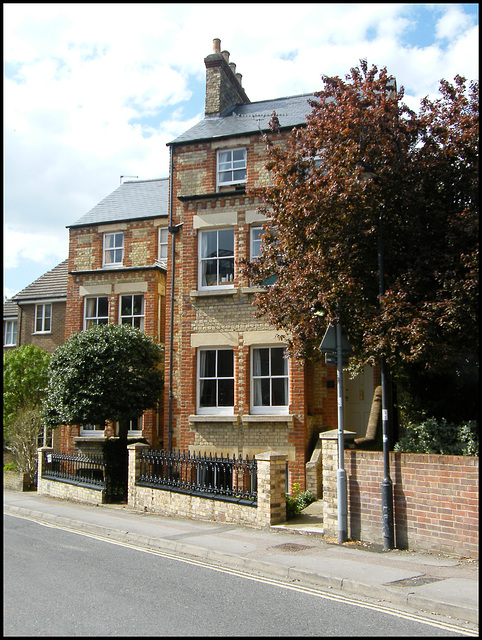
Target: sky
(94, 91)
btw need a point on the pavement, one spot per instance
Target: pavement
(435, 586)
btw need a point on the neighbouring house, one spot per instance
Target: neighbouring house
(164, 255)
(10, 325)
(117, 274)
(36, 315)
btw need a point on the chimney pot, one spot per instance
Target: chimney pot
(216, 45)
(232, 66)
(239, 78)
(225, 55)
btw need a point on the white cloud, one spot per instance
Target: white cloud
(20, 246)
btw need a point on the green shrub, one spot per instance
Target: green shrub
(298, 501)
(440, 436)
(9, 466)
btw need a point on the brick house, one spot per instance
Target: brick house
(231, 389)
(117, 273)
(36, 315)
(164, 255)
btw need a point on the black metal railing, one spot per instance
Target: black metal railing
(74, 468)
(232, 479)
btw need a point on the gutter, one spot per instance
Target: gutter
(173, 230)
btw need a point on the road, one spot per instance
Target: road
(61, 583)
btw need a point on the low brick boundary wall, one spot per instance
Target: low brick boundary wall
(435, 499)
(271, 503)
(66, 490)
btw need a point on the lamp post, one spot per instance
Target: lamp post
(336, 349)
(387, 487)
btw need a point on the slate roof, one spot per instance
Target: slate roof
(52, 284)
(249, 118)
(131, 201)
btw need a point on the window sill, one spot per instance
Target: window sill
(215, 417)
(267, 417)
(84, 438)
(215, 291)
(245, 419)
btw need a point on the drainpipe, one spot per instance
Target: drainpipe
(173, 230)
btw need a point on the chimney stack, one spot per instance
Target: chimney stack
(223, 84)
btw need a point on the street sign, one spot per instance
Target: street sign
(328, 347)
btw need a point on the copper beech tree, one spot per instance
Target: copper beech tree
(367, 169)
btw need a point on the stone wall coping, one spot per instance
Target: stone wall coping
(333, 434)
(271, 456)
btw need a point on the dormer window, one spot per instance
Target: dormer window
(231, 167)
(113, 249)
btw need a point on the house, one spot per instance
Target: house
(231, 389)
(117, 274)
(36, 315)
(164, 255)
(10, 325)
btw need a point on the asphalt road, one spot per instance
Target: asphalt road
(60, 583)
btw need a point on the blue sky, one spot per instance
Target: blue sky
(95, 91)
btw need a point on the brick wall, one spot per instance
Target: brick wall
(48, 341)
(435, 499)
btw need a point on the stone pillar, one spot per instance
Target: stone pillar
(40, 468)
(271, 488)
(134, 453)
(329, 461)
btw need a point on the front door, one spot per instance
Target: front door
(358, 401)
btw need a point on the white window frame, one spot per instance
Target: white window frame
(90, 320)
(133, 433)
(109, 253)
(232, 166)
(10, 336)
(254, 242)
(92, 430)
(44, 318)
(267, 409)
(214, 409)
(163, 245)
(221, 282)
(132, 317)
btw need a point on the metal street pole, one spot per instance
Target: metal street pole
(341, 473)
(387, 487)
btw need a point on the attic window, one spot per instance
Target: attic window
(231, 167)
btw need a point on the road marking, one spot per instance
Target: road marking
(319, 593)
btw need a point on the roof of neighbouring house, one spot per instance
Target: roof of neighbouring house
(130, 201)
(10, 309)
(249, 118)
(52, 285)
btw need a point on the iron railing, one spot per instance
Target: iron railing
(74, 468)
(232, 479)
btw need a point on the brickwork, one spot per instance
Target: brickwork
(435, 499)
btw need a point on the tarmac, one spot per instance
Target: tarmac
(432, 585)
